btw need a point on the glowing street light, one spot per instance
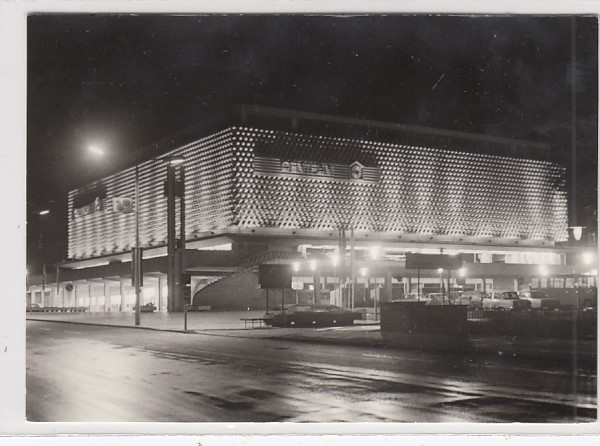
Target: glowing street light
(588, 258)
(374, 252)
(577, 232)
(44, 212)
(96, 150)
(335, 260)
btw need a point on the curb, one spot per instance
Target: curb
(99, 324)
(348, 342)
(479, 351)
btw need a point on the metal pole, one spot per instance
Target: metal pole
(352, 266)
(44, 285)
(138, 257)
(418, 285)
(267, 301)
(171, 238)
(283, 305)
(442, 287)
(316, 286)
(448, 282)
(181, 269)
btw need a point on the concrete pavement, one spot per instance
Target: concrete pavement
(363, 333)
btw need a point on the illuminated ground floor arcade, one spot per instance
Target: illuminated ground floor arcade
(322, 272)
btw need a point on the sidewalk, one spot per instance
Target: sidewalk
(366, 334)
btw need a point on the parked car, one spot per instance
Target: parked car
(412, 297)
(33, 307)
(436, 299)
(540, 299)
(506, 300)
(471, 298)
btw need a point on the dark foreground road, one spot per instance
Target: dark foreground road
(90, 373)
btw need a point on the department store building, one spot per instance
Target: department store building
(275, 186)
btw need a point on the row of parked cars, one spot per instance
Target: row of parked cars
(505, 300)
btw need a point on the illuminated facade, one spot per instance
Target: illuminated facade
(294, 182)
(252, 177)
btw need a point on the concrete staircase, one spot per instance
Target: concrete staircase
(240, 291)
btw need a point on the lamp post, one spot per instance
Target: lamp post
(334, 262)
(363, 272)
(42, 213)
(313, 268)
(441, 272)
(137, 256)
(296, 268)
(577, 233)
(175, 248)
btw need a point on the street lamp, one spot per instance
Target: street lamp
(137, 252)
(440, 272)
(296, 268)
(175, 251)
(363, 272)
(334, 261)
(42, 213)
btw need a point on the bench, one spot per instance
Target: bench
(253, 321)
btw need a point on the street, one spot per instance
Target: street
(90, 373)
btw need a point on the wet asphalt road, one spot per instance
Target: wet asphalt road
(90, 373)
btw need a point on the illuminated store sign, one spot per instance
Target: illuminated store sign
(95, 206)
(327, 171)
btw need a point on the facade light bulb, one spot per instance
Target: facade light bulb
(374, 252)
(296, 266)
(313, 265)
(364, 271)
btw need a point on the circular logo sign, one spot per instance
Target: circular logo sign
(356, 172)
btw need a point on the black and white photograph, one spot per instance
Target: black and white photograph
(297, 218)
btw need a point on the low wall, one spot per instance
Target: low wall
(414, 324)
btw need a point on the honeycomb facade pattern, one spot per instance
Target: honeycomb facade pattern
(421, 190)
(418, 190)
(209, 191)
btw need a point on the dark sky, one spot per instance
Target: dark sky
(126, 81)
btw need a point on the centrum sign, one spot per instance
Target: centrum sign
(307, 168)
(354, 172)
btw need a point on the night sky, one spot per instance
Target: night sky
(123, 82)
